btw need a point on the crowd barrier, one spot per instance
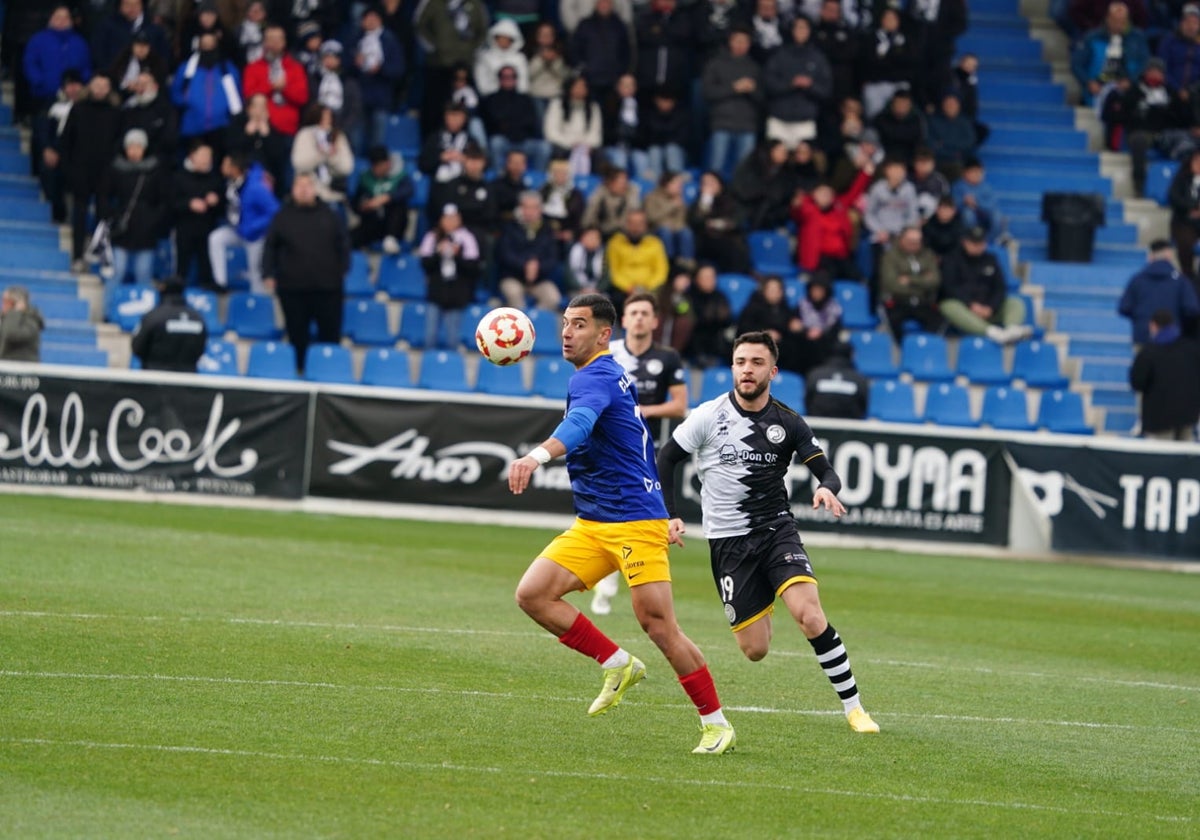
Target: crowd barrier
(168, 433)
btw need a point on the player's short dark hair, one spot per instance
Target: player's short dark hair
(758, 337)
(641, 297)
(602, 308)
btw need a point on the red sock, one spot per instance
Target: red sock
(586, 638)
(699, 686)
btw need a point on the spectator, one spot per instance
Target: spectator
(666, 213)
(805, 169)
(944, 229)
(769, 30)
(138, 211)
(171, 336)
(760, 187)
(1148, 114)
(891, 205)
(250, 134)
(116, 32)
(471, 194)
(715, 21)
(137, 58)
(797, 80)
(50, 53)
(510, 118)
(86, 147)
(442, 153)
(204, 18)
(587, 270)
(1183, 196)
(250, 34)
(451, 30)
(975, 297)
(601, 46)
(196, 197)
(465, 95)
(937, 26)
(333, 88)
(207, 91)
(249, 207)
(932, 186)
(1085, 15)
(527, 258)
(562, 201)
(665, 38)
(304, 259)
(398, 19)
(888, 62)
(572, 13)
(326, 15)
(821, 319)
(977, 201)
(825, 230)
(1166, 372)
(835, 388)
(150, 110)
(637, 260)
(732, 89)
(507, 187)
(450, 256)
(45, 139)
(1158, 287)
(1105, 54)
(952, 137)
(909, 282)
(574, 126)
(281, 78)
(21, 327)
(714, 218)
(610, 202)
(548, 69)
(1180, 50)
(624, 128)
(853, 140)
(767, 309)
(901, 128)
(381, 201)
(668, 132)
(841, 44)
(321, 148)
(504, 47)
(308, 51)
(381, 63)
(712, 319)
(965, 83)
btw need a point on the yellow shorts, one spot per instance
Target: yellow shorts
(594, 550)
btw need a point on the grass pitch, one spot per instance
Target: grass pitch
(176, 671)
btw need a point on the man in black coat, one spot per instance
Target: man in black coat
(116, 32)
(196, 200)
(86, 147)
(305, 260)
(1167, 373)
(172, 335)
(150, 109)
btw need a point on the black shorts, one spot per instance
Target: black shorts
(752, 570)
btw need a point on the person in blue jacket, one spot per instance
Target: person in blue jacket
(1158, 286)
(380, 62)
(1118, 49)
(50, 53)
(207, 90)
(249, 206)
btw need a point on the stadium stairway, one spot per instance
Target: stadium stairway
(1041, 144)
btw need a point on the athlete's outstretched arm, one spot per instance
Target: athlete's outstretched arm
(572, 431)
(826, 493)
(669, 457)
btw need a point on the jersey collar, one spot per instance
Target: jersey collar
(597, 356)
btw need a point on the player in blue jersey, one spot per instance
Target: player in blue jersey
(621, 524)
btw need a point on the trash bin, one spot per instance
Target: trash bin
(1073, 219)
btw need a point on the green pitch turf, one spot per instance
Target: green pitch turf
(187, 672)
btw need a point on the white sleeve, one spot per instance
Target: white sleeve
(694, 431)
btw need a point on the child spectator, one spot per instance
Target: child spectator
(450, 256)
(821, 317)
(381, 201)
(977, 201)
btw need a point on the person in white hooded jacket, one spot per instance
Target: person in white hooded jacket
(504, 47)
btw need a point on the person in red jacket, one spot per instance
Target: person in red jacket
(281, 79)
(825, 231)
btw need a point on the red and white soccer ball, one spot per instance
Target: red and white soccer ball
(505, 336)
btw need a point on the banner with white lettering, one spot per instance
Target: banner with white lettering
(433, 452)
(163, 438)
(1110, 501)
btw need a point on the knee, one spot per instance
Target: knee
(527, 599)
(754, 651)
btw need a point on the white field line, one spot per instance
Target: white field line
(504, 695)
(580, 774)
(465, 631)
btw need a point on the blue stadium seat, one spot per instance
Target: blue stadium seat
(770, 253)
(219, 359)
(547, 328)
(856, 305)
(330, 363)
(252, 316)
(788, 388)
(442, 370)
(358, 279)
(412, 323)
(892, 401)
(1159, 175)
(60, 307)
(421, 187)
(206, 304)
(587, 184)
(271, 360)
(1062, 411)
(388, 368)
(471, 317)
(714, 382)
(508, 381)
(130, 303)
(67, 354)
(236, 269)
(1036, 364)
(947, 404)
(550, 377)
(402, 277)
(925, 357)
(738, 288)
(873, 354)
(981, 361)
(1005, 408)
(404, 135)
(366, 322)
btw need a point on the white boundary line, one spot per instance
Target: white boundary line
(579, 774)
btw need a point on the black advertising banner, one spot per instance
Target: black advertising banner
(1134, 502)
(154, 436)
(433, 452)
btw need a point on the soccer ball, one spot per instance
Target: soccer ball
(505, 336)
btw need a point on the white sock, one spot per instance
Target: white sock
(608, 586)
(714, 717)
(618, 660)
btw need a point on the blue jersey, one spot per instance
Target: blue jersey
(613, 475)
